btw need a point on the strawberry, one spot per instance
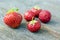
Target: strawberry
(36, 10)
(29, 15)
(33, 26)
(45, 16)
(13, 18)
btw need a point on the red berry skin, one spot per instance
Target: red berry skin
(36, 11)
(13, 19)
(34, 27)
(29, 15)
(45, 16)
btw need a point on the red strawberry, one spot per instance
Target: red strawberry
(34, 26)
(13, 19)
(36, 10)
(29, 15)
(45, 16)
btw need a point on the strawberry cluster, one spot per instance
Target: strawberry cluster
(43, 15)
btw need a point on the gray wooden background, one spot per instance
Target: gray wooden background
(22, 33)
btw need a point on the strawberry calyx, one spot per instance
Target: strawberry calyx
(33, 21)
(37, 7)
(12, 10)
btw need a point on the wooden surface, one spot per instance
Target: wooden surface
(22, 33)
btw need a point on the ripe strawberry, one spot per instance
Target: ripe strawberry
(29, 15)
(13, 19)
(34, 26)
(36, 10)
(45, 16)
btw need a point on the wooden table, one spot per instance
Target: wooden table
(22, 33)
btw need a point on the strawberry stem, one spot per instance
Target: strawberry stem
(33, 22)
(32, 18)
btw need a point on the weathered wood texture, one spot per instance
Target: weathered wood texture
(22, 33)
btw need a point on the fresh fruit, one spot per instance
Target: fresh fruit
(29, 15)
(13, 18)
(36, 10)
(45, 16)
(34, 26)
